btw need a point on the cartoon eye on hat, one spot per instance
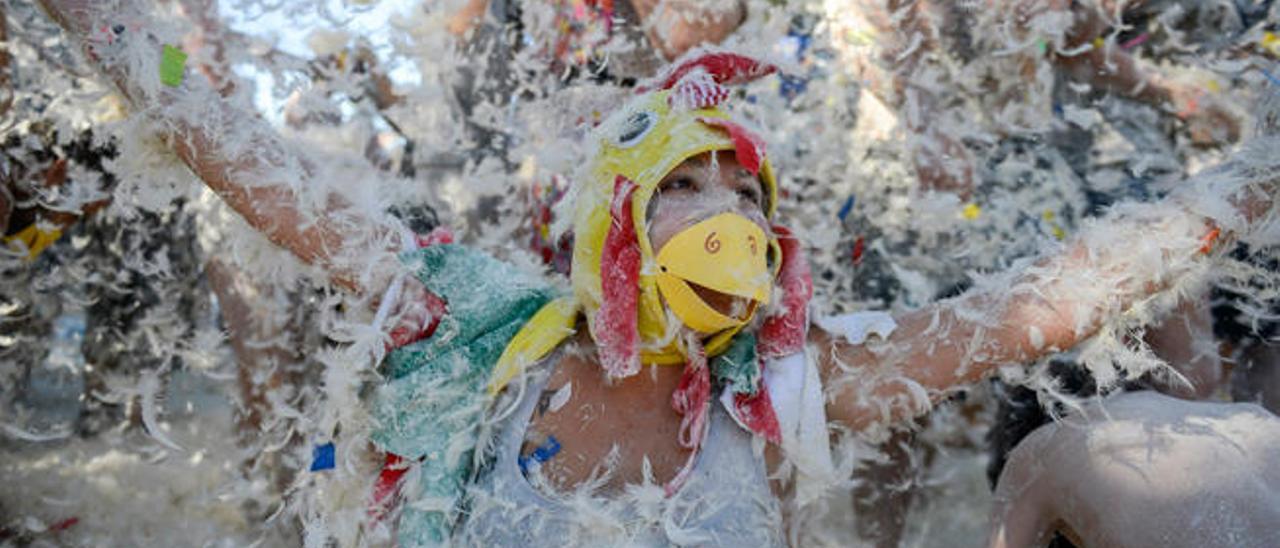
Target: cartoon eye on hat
(635, 127)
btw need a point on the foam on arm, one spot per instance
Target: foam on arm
(238, 155)
(1100, 283)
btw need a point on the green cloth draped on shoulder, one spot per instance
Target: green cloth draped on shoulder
(434, 397)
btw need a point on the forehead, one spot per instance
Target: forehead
(724, 160)
(718, 169)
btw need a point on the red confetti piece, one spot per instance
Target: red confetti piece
(64, 524)
(1135, 41)
(1209, 240)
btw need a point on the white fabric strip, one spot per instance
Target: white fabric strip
(408, 242)
(795, 389)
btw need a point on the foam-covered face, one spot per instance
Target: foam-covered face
(702, 187)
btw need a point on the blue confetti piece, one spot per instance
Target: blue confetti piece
(799, 39)
(544, 453)
(792, 86)
(1274, 81)
(846, 208)
(1058, 110)
(540, 455)
(322, 457)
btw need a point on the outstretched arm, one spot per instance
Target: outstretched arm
(238, 155)
(1052, 304)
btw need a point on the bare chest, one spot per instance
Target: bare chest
(606, 430)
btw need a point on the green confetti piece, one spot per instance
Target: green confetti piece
(172, 64)
(1042, 45)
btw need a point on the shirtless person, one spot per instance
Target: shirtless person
(682, 274)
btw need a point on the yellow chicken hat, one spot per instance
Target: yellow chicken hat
(618, 283)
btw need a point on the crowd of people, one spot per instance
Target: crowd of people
(688, 358)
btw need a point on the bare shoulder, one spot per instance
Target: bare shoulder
(1136, 469)
(1133, 422)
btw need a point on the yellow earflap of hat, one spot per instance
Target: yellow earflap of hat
(551, 325)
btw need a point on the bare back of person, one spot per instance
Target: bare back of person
(1144, 469)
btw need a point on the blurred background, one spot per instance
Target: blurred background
(168, 377)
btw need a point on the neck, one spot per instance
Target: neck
(637, 393)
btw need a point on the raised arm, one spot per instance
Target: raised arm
(1054, 303)
(1085, 56)
(910, 38)
(237, 154)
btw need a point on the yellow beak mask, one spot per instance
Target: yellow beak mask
(628, 294)
(726, 254)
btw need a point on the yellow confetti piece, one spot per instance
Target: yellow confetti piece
(861, 37)
(1271, 43)
(1099, 42)
(1057, 231)
(1213, 86)
(33, 239)
(971, 212)
(528, 168)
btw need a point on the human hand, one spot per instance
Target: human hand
(674, 28)
(467, 18)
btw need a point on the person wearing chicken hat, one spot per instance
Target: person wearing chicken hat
(675, 262)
